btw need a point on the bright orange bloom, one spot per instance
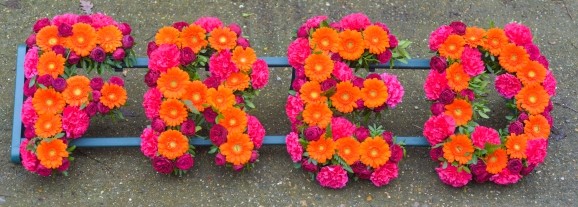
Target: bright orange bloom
(375, 152)
(237, 81)
(513, 57)
(474, 36)
(83, 39)
(516, 145)
(48, 37)
(321, 150)
(244, 58)
(376, 39)
(237, 149)
(495, 39)
(48, 101)
(348, 148)
(459, 149)
(460, 110)
(168, 35)
(452, 47)
(194, 37)
(537, 127)
(196, 92)
(345, 97)
(496, 161)
(173, 83)
(352, 45)
(374, 93)
(317, 114)
(234, 120)
(48, 125)
(532, 73)
(221, 98)
(326, 39)
(109, 38)
(458, 79)
(51, 63)
(311, 92)
(318, 67)
(173, 112)
(222, 39)
(533, 98)
(77, 90)
(51, 153)
(172, 144)
(112, 95)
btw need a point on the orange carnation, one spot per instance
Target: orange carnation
(48, 37)
(537, 127)
(234, 120)
(474, 36)
(221, 98)
(51, 153)
(326, 39)
(533, 98)
(244, 58)
(513, 57)
(318, 67)
(460, 110)
(83, 39)
(196, 92)
(376, 39)
(237, 81)
(496, 161)
(194, 37)
(173, 83)
(48, 125)
(345, 97)
(112, 95)
(77, 90)
(352, 45)
(458, 79)
(51, 63)
(172, 144)
(459, 149)
(321, 150)
(48, 101)
(173, 112)
(109, 38)
(311, 92)
(317, 114)
(495, 39)
(348, 148)
(237, 149)
(375, 152)
(374, 93)
(223, 39)
(516, 145)
(532, 73)
(452, 47)
(168, 35)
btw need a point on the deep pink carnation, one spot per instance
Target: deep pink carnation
(29, 160)
(221, 66)
(235, 28)
(68, 18)
(333, 176)
(100, 20)
(308, 166)
(65, 30)
(151, 47)
(447, 96)
(536, 151)
(341, 127)
(243, 42)
(254, 156)
(152, 103)
(394, 89)
(212, 82)
(220, 159)
(28, 91)
(434, 84)
(396, 153)
(41, 23)
(516, 128)
(116, 80)
(311, 23)
(436, 153)
(393, 42)
(64, 166)
(342, 71)
(238, 168)
(209, 23)
(298, 83)
(383, 175)
(74, 122)
(472, 61)
(468, 94)
(158, 124)
(260, 74)
(515, 166)
(163, 165)
(29, 132)
(91, 109)
(118, 54)
(438, 64)
(518, 33)
(505, 177)
(180, 25)
(124, 28)
(31, 40)
(313, 133)
(298, 51)
(29, 115)
(149, 143)
(210, 115)
(43, 171)
(294, 148)
(30, 62)
(451, 176)
(384, 57)
(355, 21)
(437, 128)
(533, 51)
(508, 85)
(483, 135)
(256, 131)
(550, 83)
(361, 133)
(479, 172)
(164, 57)
(187, 56)
(293, 107)
(218, 134)
(439, 36)
(383, 26)
(151, 78)
(437, 108)
(185, 162)
(544, 61)
(188, 127)
(73, 58)
(362, 171)
(459, 27)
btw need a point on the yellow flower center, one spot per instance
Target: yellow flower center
(458, 112)
(373, 153)
(536, 128)
(373, 93)
(514, 58)
(517, 147)
(531, 74)
(321, 148)
(220, 100)
(80, 39)
(314, 95)
(532, 99)
(52, 41)
(243, 60)
(495, 42)
(196, 97)
(51, 66)
(222, 39)
(172, 144)
(345, 97)
(318, 68)
(47, 126)
(234, 80)
(452, 47)
(174, 112)
(325, 42)
(237, 148)
(493, 159)
(350, 45)
(52, 153)
(111, 96)
(77, 92)
(457, 78)
(49, 102)
(317, 115)
(347, 151)
(194, 39)
(459, 149)
(173, 84)
(473, 38)
(232, 122)
(375, 40)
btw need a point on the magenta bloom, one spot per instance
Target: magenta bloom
(383, 26)
(516, 128)
(187, 56)
(293, 107)
(342, 72)
(481, 175)
(218, 134)
(259, 74)
(180, 25)
(385, 57)
(438, 64)
(361, 171)
(29, 91)
(437, 108)
(158, 125)
(152, 103)
(355, 21)
(238, 168)
(212, 82)
(515, 166)
(118, 54)
(550, 83)
(124, 28)
(221, 66)
(508, 85)
(438, 128)
(434, 84)
(533, 51)
(451, 176)
(29, 160)
(383, 175)
(483, 135)
(31, 40)
(254, 156)
(73, 58)
(164, 57)
(311, 23)
(100, 20)
(294, 148)
(151, 78)
(298, 51)
(74, 122)
(472, 61)
(149, 143)
(188, 128)
(308, 166)
(436, 153)
(97, 54)
(84, 19)
(163, 165)
(256, 131)
(59, 84)
(396, 153)
(30, 62)
(341, 127)
(505, 177)
(235, 28)
(518, 33)
(151, 47)
(439, 36)
(328, 84)
(67, 18)
(536, 150)
(43, 171)
(209, 115)
(41, 23)
(313, 133)
(65, 30)
(29, 115)
(361, 133)
(333, 176)
(458, 27)
(209, 23)
(394, 89)
(185, 162)
(220, 159)
(393, 42)
(45, 80)
(127, 42)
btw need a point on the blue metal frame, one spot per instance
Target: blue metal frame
(142, 62)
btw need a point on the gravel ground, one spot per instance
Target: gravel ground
(123, 177)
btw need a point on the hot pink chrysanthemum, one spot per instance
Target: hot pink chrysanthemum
(438, 36)
(298, 51)
(355, 21)
(293, 107)
(209, 23)
(451, 176)
(536, 150)
(518, 33)
(550, 83)
(394, 89)
(74, 122)
(221, 65)
(508, 85)
(68, 18)
(483, 135)
(260, 74)
(256, 131)
(152, 103)
(29, 115)
(333, 176)
(164, 57)
(342, 71)
(472, 61)
(437, 128)
(294, 148)
(341, 127)
(505, 177)
(313, 22)
(100, 20)
(434, 84)
(30, 62)
(149, 142)
(29, 160)
(384, 174)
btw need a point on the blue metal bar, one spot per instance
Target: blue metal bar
(18, 101)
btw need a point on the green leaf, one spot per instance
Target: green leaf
(71, 148)
(491, 148)
(213, 149)
(32, 82)
(483, 115)
(249, 104)
(198, 128)
(343, 163)
(297, 165)
(192, 108)
(445, 165)
(291, 92)
(59, 135)
(247, 14)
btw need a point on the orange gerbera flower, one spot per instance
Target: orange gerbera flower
(172, 144)
(196, 92)
(311, 92)
(495, 39)
(321, 150)
(234, 120)
(194, 37)
(221, 98)
(348, 148)
(459, 149)
(173, 112)
(168, 35)
(376, 39)
(51, 63)
(48, 101)
(532, 73)
(48, 37)
(51, 153)
(452, 47)
(77, 90)
(513, 57)
(83, 39)
(237, 81)
(345, 97)
(223, 39)
(352, 45)
(375, 152)
(325, 39)
(237, 149)
(458, 79)
(374, 93)
(537, 127)
(48, 125)
(533, 98)
(317, 114)
(516, 145)
(496, 161)
(112, 95)
(244, 58)
(318, 67)
(474, 36)
(109, 38)
(173, 83)
(460, 110)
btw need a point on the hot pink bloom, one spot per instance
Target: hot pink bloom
(149, 143)
(298, 51)
(68, 18)
(342, 71)
(152, 103)
(550, 83)
(341, 127)
(293, 107)
(333, 176)
(294, 148)
(518, 33)
(394, 89)
(209, 23)
(483, 135)
(29, 160)
(508, 85)
(100, 20)
(437, 128)
(30, 62)
(384, 174)
(533, 51)
(260, 74)
(451, 176)
(74, 122)
(311, 23)
(221, 66)
(256, 131)
(185, 162)
(536, 151)
(164, 57)
(355, 21)
(472, 61)
(434, 84)
(29, 115)
(505, 177)
(439, 36)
